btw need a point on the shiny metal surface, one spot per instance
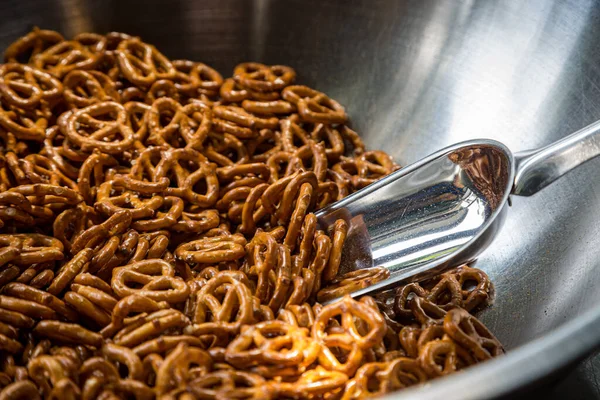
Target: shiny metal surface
(537, 169)
(438, 212)
(417, 76)
(445, 210)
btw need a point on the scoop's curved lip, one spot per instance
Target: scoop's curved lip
(385, 284)
(517, 369)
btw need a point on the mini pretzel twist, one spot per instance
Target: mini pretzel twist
(263, 78)
(88, 128)
(142, 64)
(156, 278)
(26, 87)
(314, 106)
(212, 250)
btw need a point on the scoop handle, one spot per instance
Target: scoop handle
(538, 168)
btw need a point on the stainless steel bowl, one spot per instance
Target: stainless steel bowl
(417, 76)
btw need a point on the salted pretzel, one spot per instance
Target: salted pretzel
(263, 78)
(351, 282)
(157, 278)
(314, 106)
(27, 87)
(84, 128)
(142, 64)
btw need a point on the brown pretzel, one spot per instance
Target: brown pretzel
(227, 383)
(351, 282)
(25, 87)
(34, 42)
(83, 88)
(92, 174)
(34, 248)
(141, 63)
(84, 129)
(254, 346)
(469, 332)
(192, 78)
(350, 309)
(20, 390)
(216, 303)
(40, 169)
(65, 57)
(175, 370)
(153, 325)
(156, 278)
(263, 78)
(314, 106)
(98, 234)
(212, 250)
(438, 358)
(23, 125)
(478, 295)
(67, 332)
(172, 166)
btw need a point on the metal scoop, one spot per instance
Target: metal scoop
(447, 208)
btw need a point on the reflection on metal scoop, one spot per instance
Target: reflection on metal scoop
(447, 208)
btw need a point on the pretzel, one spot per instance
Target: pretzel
(469, 332)
(265, 145)
(65, 57)
(141, 63)
(186, 181)
(223, 384)
(268, 107)
(97, 234)
(20, 390)
(85, 130)
(225, 149)
(215, 305)
(447, 293)
(26, 87)
(40, 169)
(262, 78)
(34, 248)
(314, 106)
(83, 88)
(92, 174)
(314, 382)
(438, 358)
(192, 77)
(480, 294)
(59, 150)
(67, 332)
(128, 304)
(23, 125)
(35, 41)
(175, 369)
(254, 346)
(212, 250)
(137, 114)
(351, 282)
(153, 325)
(174, 210)
(196, 221)
(232, 92)
(350, 309)
(157, 278)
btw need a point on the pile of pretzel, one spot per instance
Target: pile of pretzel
(158, 237)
